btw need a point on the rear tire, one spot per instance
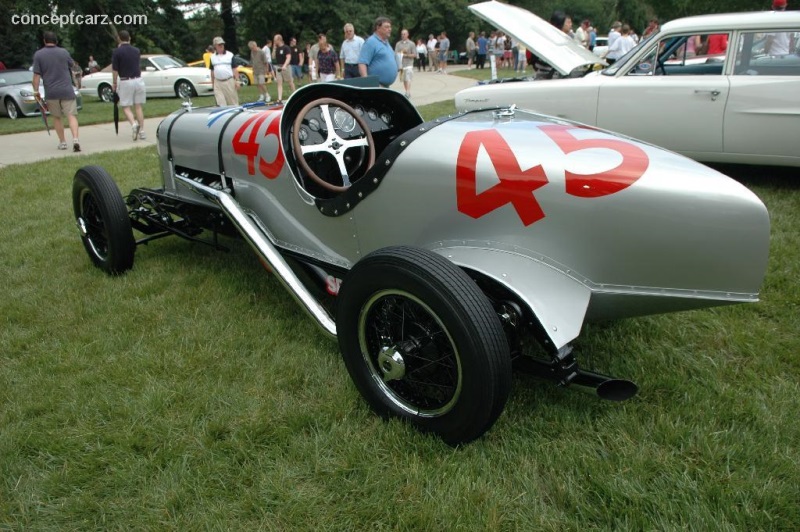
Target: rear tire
(105, 93)
(244, 80)
(423, 343)
(103, 221)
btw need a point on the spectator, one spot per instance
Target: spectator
(282, 56)
(327, 60)
(483, 43)
(92, 65)
(582, 34)
(652, 27)
(127, 82)
(444, 49)
(717, 44)
(432, 58)
(499, 49)
(614, 34)
(224, 75)
(267, 48)
(407, 51)
(207, 56)
(422, 55)
(77, 74)
(51, 66)
(779, 44)
(377, 57)
(621, 46)
(592, 38)
(312, 51)
(297, 59)
(350, 50)
(259, 61)
(471, 49)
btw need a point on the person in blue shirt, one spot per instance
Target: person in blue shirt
(480, 60)
(377, 57)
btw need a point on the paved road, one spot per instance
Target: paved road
(427, 87)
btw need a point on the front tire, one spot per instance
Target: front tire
(12, 109)
(184, 89)
(423, 343)
(103, 220)
(245, 81)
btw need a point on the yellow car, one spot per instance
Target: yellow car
(245, 69)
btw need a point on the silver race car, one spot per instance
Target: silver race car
(439, 252)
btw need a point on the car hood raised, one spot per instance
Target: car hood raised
(539, 36)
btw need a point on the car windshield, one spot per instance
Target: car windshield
(16, 78)
(165, 62)
(619, 63)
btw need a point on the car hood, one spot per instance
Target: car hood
(539, 36)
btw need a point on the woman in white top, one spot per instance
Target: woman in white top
(621, 46)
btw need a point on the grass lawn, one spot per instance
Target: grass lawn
(193, 393)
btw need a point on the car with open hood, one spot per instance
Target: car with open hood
(438, 252)
(738, 106)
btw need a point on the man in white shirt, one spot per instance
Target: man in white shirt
(224, 75)
(351, 49)
(614, 34)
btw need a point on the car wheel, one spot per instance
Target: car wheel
(103, 221)
(245, 81)
(423, 343)
(12, 109)
(184, 89)
(105, 93)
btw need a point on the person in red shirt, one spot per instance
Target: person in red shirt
(717, 43)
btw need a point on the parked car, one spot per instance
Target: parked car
(245, 69)
(17, 95)
(600, 47)
(738, 107)
(436, 252)
(163, 75)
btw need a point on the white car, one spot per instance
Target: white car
(163, 75)
(739, 106)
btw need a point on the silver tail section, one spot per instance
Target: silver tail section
(264, 248)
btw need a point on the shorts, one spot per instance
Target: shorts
(279, 75)
(443, 56)
(131, 91)
(408, 73)
(297, 71)
(260, 79)
(59, 108)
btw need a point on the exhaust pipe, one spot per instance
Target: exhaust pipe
(605, 387)
(564, 370)
(266, 251)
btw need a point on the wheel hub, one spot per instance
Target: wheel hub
(391, 363)
(82, 226)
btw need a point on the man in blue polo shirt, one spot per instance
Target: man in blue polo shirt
(377, 55)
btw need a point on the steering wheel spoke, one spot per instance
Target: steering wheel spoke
(334, 144)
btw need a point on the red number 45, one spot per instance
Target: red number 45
(516, 186)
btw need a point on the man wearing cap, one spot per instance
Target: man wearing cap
(224, 75)
(779, 44)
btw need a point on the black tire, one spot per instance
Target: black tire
(423, 343)
(245, 81)
(184, 89)
(103, 221)
(12, 109)
(105, 93)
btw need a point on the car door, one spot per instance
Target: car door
(763, 112)
(678, 105)
(152, 76)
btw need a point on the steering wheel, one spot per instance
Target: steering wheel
(335, 135)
